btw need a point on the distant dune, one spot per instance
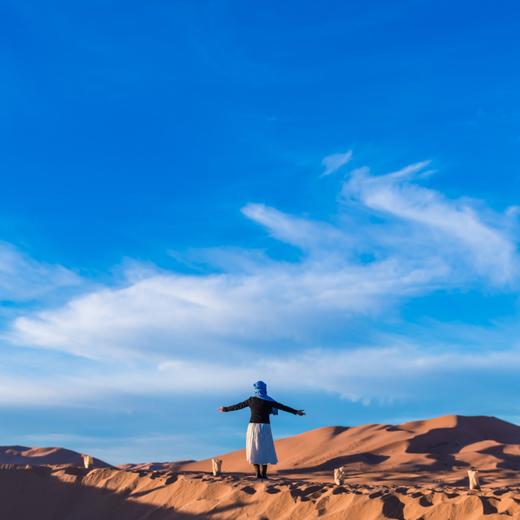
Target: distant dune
(43, 456)
(411, 471)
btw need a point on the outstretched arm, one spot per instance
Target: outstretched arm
(232, 408)
(281, 406)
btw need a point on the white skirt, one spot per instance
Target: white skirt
(260, 445)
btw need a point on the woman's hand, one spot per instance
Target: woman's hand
(300, 412)
(221, 409)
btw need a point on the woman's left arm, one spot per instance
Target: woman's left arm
(281, 406)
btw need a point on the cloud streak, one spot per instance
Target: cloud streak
(332, 163)
(166, 332)
(361, 374)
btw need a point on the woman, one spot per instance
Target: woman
(259, 440)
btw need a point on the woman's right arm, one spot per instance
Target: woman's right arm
(232, 408)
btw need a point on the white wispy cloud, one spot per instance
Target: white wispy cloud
(301, 232)
(332, 163)
(167, 313)
(477, 238)
(23, 278)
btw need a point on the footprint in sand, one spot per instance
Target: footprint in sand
(249, 490)
(393, 507)
(426, 500)
(451, 495)
(489, 505)
(171, 478)
(378, 493)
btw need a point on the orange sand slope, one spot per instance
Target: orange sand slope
(47, 493)
(420, 451)
(41, 456)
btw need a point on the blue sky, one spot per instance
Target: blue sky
(196, 195)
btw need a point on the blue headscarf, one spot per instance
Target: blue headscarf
(261, 392)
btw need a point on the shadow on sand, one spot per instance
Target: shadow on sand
(35, 494)
(442, 444)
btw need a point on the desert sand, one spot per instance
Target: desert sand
(416, 470)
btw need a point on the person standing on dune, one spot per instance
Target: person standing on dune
(260, 449)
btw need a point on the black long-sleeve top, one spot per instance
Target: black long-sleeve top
(260, 409)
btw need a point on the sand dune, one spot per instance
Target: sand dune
(411, 471)
(43, 456)
(441, 448)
